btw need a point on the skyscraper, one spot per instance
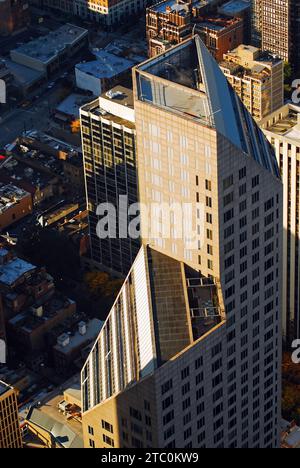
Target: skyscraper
(205, 360)
(282, 128)
(109, 149)
(10, 434)
(275, 26)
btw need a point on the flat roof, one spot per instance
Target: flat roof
(235, 6)
(13, 270)
(287, 126)
(177, 6)
(107, 65)
(45, 48)
(118, 109)
(23, 75)
(28, 322)
(121, 95)
(93, 328)
(71, 105)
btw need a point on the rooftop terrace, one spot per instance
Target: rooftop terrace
(288, 125)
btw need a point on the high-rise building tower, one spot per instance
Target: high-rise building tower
(200, 358)
(10, 434)
(275, 26)
(282, 128)
(190, 354)
(109, 149)
(256, 22)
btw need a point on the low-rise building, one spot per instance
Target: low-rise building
(28, 330)
(53, 433)
(49, 53)
(41, 184)
(257, 77)
(100, 75)
(32, 307)
(24, 78)
(15, 204)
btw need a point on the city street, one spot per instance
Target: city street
(36, 116)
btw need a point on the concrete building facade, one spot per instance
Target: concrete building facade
(282, 128)
(257, 79)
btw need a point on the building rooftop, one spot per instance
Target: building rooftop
(71, 105)
(216, 23)
(187, 80)
(174, 308)
(286, 123)
(234, 7)
(46, 48)
(177, 5)
(93, 328)
(116, 105)
(10, 196)
(13, 270)
(24, 176)
(24, 76)
(28, 320)
(106, 66)
(62, 433)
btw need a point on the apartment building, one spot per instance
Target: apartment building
(10, 434)
(282, 128)
(170, 22)
(257, 78)
(109, 150)
(190, 354)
